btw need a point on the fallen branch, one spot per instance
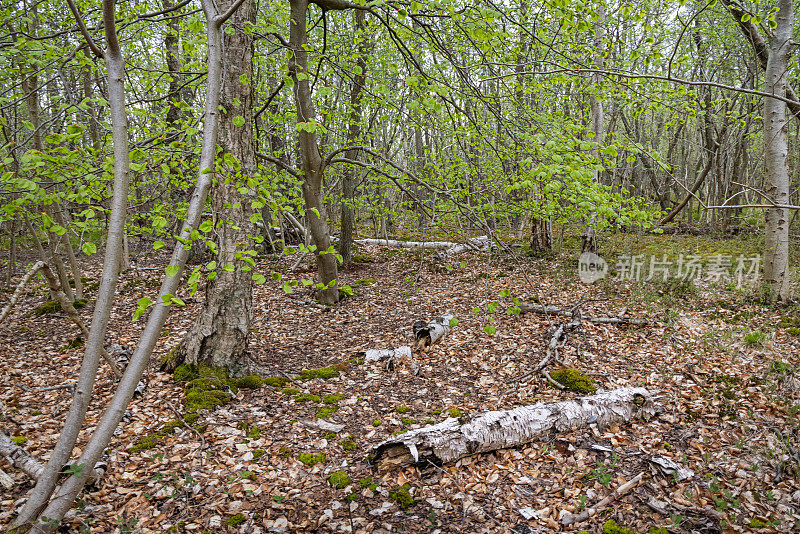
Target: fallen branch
(605, 503)
(20, 287)
(445, 247)
(557, 341)
(547, 309)
(454, 438)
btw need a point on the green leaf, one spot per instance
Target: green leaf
(238, 120)
(172, 270)
(259, 278)
(490, 329)
(158, 245)
(89, 248)
(453, 321)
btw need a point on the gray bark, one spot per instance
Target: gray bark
(219, 335)
(776, 150)
(20, 288)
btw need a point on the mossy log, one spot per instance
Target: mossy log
(454, 438)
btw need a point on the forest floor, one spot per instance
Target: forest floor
(725, 366)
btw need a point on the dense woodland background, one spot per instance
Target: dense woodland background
(211, 212)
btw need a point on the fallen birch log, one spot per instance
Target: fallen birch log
(453, 438)
(378, 355)
(25, 462)
(20, 287)
(547, 309)
(426, 334)
(475, 243)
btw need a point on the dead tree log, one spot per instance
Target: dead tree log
(25, 462)
(448, 247)
(379, 355)
(17, 292)
(453, 438)
(426, 334)
(547, 309)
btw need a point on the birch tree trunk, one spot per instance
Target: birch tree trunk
(776, 151)
(219, 335)
(598, 119)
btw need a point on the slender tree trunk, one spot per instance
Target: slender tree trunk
(598, 119)
(776, 151)
(311, 159)
(219, 335)
(353, 134)
(65, 498)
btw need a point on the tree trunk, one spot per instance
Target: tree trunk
(776, 243)
(598, 120)
(310, 157)
(219, 335)
(541, 236)
(353, 134)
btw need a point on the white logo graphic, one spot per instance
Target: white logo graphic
(591, 268)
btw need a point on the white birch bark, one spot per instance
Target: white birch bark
(456, 438)
(377, 355)
(428, 334)
(17, 292)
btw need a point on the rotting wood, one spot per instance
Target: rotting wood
(548, 309)
(454, 438)
(20, 288)
(426, 334)
(603, 504)
(377, 355)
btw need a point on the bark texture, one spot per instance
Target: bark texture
(20, 288)
(219, 335)
(311, 159)
(456, 438)
(776, 151)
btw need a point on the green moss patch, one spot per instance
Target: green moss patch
(367, 483)
(250, 382)
(53, 306)
(152, 441)
(276, 381)
(304, 397)
(236, 520)
(324, 413)
(290, 391)
(325, 373)
(19, 440)
(258, 453)
(339, 479)
(611, 527)
(332, 399)
(74, 343)
(454, 412)
(574, 380)
(348, 444)
(311, 459)
(402, 496)
(403, 409)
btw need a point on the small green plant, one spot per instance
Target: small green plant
(402, 496)
(254, 432)
(367, 483)
(403, 409)
(407, 421)
(258, 453)
(339, 479)
(401, 431)
(311, 459)
(348, 444)
(454, 412)
(376, 423)
(437, 411)
(19, 440)
(755, 338)
(290, 391)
